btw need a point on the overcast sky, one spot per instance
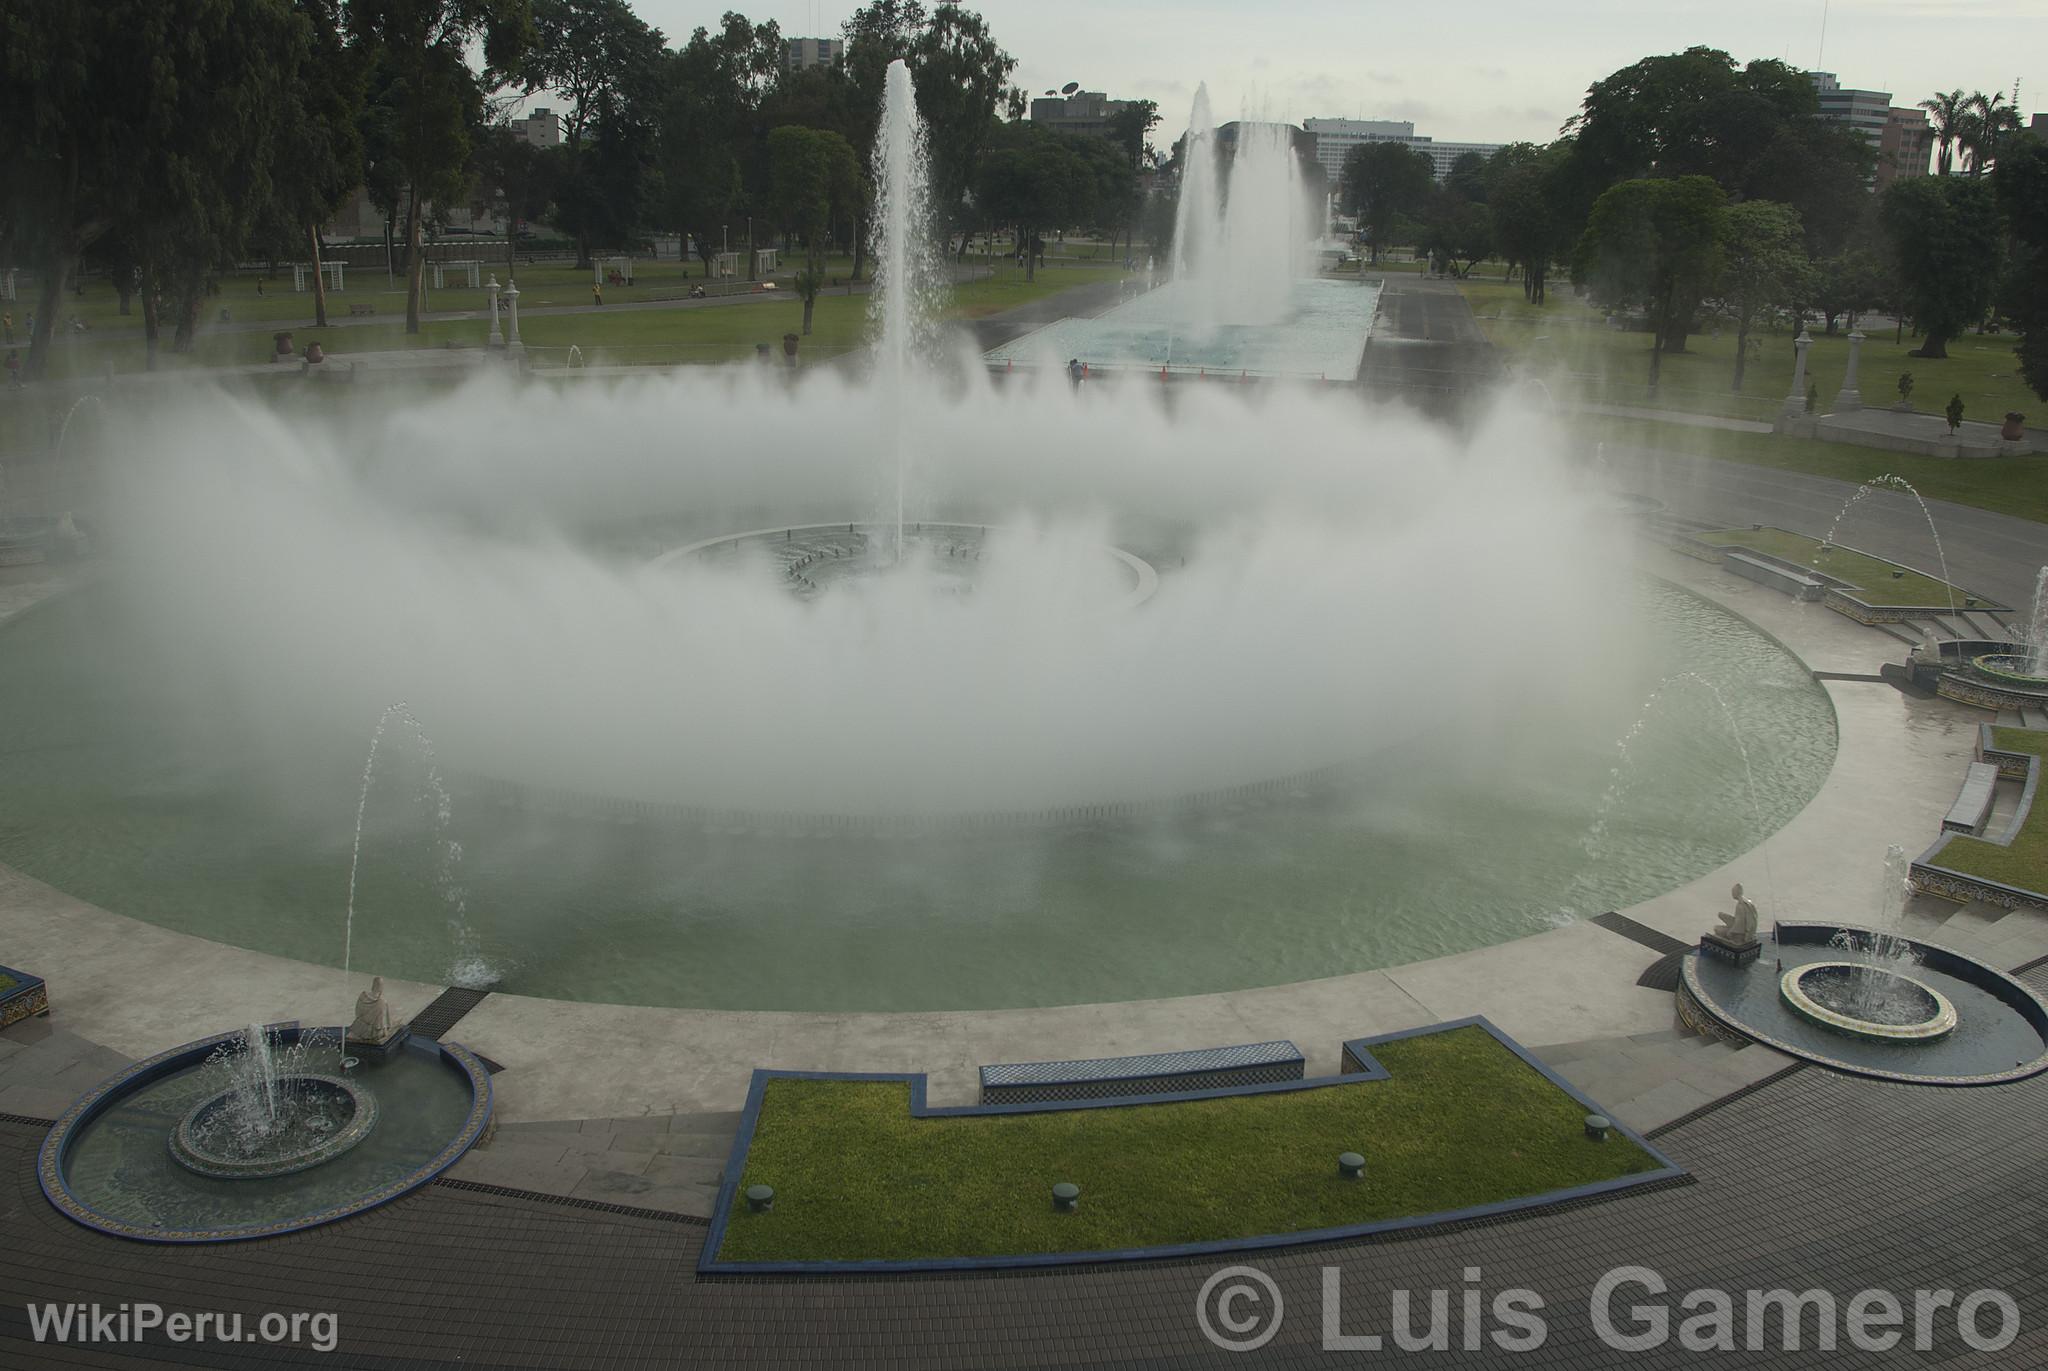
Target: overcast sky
(1478, 71)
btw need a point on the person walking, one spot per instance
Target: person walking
(597, 292)
(7, 321)
(1075, 371)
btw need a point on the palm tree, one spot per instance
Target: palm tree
(1989, 119)
(1947, 113)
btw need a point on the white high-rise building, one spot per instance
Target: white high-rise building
(1335, 138)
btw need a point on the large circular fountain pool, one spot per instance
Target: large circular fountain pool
(158, 801)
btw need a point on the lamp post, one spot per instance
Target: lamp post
(497, 339)
(512, 343)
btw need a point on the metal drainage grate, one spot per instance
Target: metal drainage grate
(573, 1201)
(28, 1120)
(1639, 933)
(445, 1012)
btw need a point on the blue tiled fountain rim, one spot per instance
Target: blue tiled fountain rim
(102, 1097)
(1358, 1050)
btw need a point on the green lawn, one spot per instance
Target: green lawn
(1877, 582)
(1567, 338)
(1462, 1121)
(2010, 485)
(705, 334)
(2024, 862)
(7, 983)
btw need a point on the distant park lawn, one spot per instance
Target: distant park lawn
(2009, 485)
(2023, 862)
(1873, 578)
(705, 333)
(1568, 335)
(1462, 1121)
(7, 982)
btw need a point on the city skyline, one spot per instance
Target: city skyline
(1491, 79)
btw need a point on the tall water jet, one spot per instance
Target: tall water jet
(1264, 230)
(2037, 628)
(907, 267)
(1197, 224)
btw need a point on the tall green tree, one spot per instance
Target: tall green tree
(810, 171)
(433, 98)
(2022, 184)
(961, 74)
(713, 92)
(603, 61)
(514, 180)
(1764, 269)
(1382, 183)
(1528, 208)
(1948, 239)
(319, 158)
(1654, 244)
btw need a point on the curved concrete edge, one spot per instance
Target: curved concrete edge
(138, 986)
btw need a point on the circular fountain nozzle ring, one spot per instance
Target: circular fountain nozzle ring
(1824, 993)
(193, 1144)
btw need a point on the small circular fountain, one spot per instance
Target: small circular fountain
(2013, 667)
(1867, 1001)
(326, 1117)
(259, 1132)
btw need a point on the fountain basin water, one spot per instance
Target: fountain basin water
(115, 1161)
(333, 1116)
(1867, 1001)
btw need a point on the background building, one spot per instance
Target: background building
(1866, 111)
(1335, 138)
(541, 127)
(1087, 111)
(1908, 146)
(801, 53)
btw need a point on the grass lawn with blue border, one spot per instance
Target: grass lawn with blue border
(1460, 1121)
(2024, 861)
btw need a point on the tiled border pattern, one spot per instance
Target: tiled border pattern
(28, 997)
(1694, 1002)
(1357, 1052)
(50, 1165)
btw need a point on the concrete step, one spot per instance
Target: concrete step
(1985, 623)
(1903, 633)
(1651, 1078)
(2033, 718)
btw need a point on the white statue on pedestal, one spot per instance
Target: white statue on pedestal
(373, 1016)
(1740, 925)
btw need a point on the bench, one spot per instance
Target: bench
(359, 310)
(1152, 1073)
(1753, 568)
(1971, 812)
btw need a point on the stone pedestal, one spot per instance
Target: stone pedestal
(1849, 397)
(497, 338)
(382, 1051)
(1795, 401)
(1735, 954)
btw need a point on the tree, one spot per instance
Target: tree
(1685, 114)
(1383, 182)
(1947, 112)
(1654, 244)
(1038, 180)
(433, 98)
(1947, 238)
(713, 91)
(961, 74)
(1989, 122)
(1763, 268)
(319, 158)
(2022, 186)
(601, 59)
(1526, 210)
(810, 171)
(513, 178)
